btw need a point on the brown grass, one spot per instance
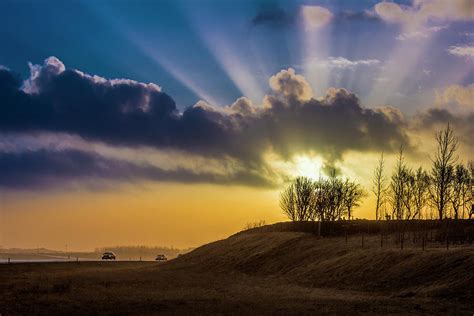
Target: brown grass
(256, 273)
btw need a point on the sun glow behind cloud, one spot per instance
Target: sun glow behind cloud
(307, 165)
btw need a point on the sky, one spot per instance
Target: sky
(176, 123)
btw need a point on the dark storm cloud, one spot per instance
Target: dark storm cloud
(119, 111)
(128, 113)
(45, 169)
(124, 112)
(436, 118)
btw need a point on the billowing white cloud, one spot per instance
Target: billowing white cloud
(466, 51)
(53, 67)
(243, 106)
(290, 85)
(315, 17)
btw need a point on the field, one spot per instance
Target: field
(261, 271)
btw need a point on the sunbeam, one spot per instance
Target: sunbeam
(400, 66)
(232, 53)
(155, 52)
(315, 20)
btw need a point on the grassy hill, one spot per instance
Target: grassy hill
(265, 271)
(304, 259)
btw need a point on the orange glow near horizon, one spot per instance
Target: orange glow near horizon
(158, 215)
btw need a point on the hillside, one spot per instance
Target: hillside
(260, 271)
(304, 259)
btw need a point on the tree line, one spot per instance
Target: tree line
(445, 191)
(323, 199)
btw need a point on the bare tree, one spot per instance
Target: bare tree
(320, 199)
(460, 190)
(442, 170)
(379, 187)
(352, 197)
(297, 200)
(420, 191)
(470, 198)
(287, 202)
(304, 188)
(408, 188)
(323, 199)
(335, 192)
(397, 188)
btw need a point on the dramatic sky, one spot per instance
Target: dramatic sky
(178, 122)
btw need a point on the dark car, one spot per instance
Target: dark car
(108, 256)
(161, 258)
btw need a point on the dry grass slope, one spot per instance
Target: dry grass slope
(261, 271)
(303, 259)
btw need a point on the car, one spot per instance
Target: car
(161, 258)
(108, 255)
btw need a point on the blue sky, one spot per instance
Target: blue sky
(180, 45)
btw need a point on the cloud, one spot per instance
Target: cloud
(290, 85)
(437, 118)
(344, 63)
(426, 32)
(41, 74)
(126, 113)
(423, 11)
(45, 169)
(462, 51)
(416, 18)
(392, 12)
(456, 98)
(315, 17)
